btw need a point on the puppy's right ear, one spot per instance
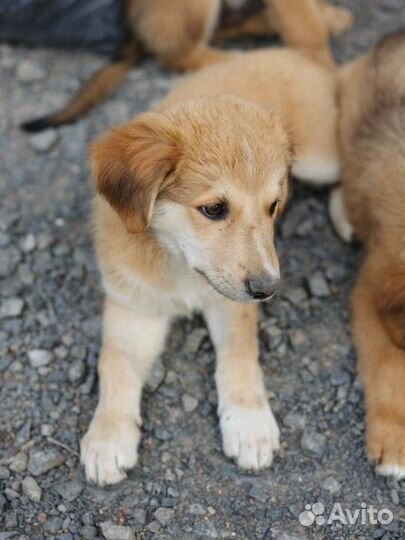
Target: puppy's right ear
(133, 164)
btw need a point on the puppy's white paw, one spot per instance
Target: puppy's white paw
(316, 171)
(109, 449)
(396, 471)
(250, 436)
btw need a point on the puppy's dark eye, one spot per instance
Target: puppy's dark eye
(215, 211)
(273, 208)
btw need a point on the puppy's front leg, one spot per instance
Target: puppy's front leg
(249, 431)
(130, 344)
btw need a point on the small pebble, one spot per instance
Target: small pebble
(11, 307)
(318, 285)
(19, 462)
(259, 495)
(44, 141)
(331, 484)
(28, 72)
(313, 444)
(31, 489)
(164, 516)
(39, 357)
(116, 532)
(42, 461)
(190, 403)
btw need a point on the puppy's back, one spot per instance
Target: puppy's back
(372, 134)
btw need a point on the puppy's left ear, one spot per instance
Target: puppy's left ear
(133, 164)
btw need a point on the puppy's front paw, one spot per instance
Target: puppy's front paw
(250, 436)
(386, 445)
(109, 449)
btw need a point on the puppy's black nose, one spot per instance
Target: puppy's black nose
(262, 288)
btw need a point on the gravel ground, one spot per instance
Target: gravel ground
(50, 302)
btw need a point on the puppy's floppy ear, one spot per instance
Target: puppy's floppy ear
(131, 166)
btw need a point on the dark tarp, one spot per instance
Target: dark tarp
(94, 24)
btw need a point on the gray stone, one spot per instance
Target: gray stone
(164, 516)
(189, 403)
(39, 357)
(331, 484)
(11, 307)
(88, 532)
(116, 532)
(77, 372)
(295, 296)
(28, 72)
(28, 243)
(4, 473)
(394, 497)
(194, 340)
(44, 141)
(205, 529)
(273, 335)
(139, 515)
(53, 525)
(258, 494)
(42, 461)
(340, 377)
(294, 421)
(10, 519)
(70, 490)
(313, 444)
(153, 526)
(9, 259)
(19, 462)
(31, 489)
(197, 509)
(298, 339)
(318, 285)
(156, 377)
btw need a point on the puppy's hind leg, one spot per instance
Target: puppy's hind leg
(316, 154)
(130, 345)
(338, 215)
(382, 367)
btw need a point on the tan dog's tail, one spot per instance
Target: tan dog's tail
(103, 82)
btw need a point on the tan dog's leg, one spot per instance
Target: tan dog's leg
(382, 367)
(302, 26)
(259, 24)
(200, 57)
(336, 19)
(130, 345)
(338, 215)
(249, 431)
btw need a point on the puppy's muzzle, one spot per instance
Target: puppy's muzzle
(261, 288)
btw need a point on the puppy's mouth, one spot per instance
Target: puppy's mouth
(213, 285)
(241, 297)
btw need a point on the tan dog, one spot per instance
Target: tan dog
(372, 92)
(187, 201)
(177, 33)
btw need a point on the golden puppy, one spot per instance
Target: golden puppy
(178, 33)
(187, 201)
(372, 131)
